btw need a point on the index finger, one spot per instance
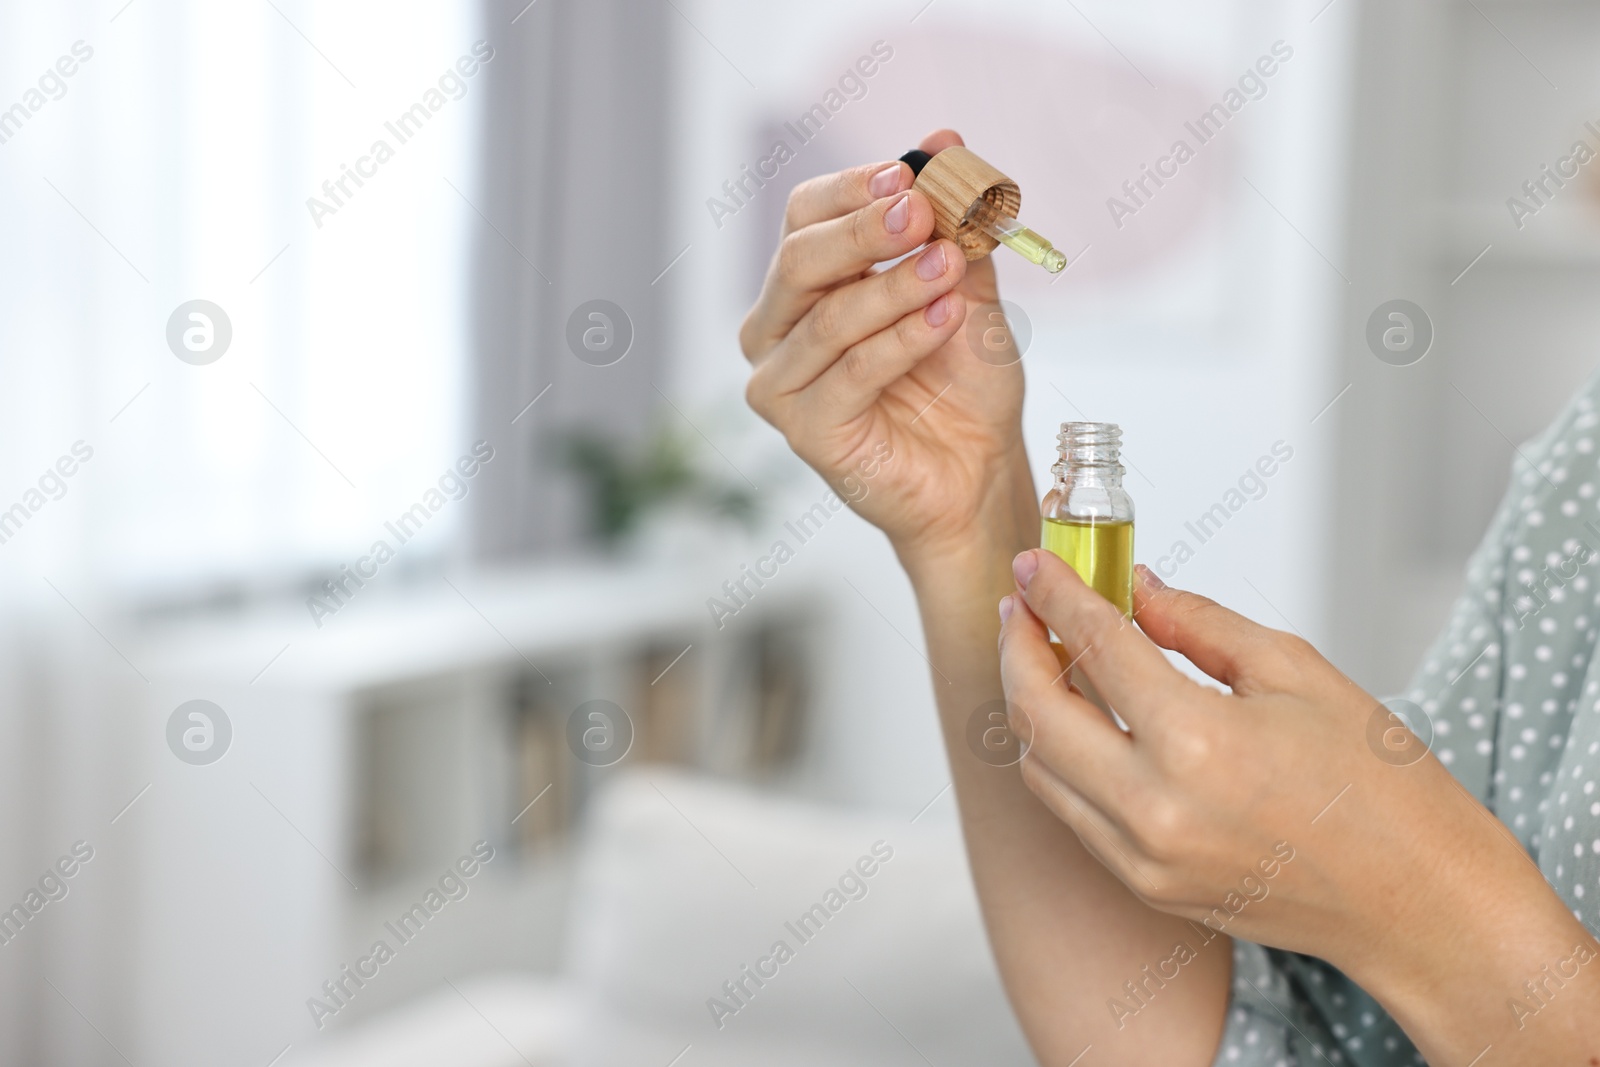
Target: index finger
(831, 195)
(828, 196)
(1238, 652)
(1126, 668)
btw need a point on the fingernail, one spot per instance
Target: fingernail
(931, 263)
(899, 216)
(1149, 578)
(1024, 566)
(886, 181)
(938, 312)
(1007, 606)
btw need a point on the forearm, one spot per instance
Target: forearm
(1066, 933)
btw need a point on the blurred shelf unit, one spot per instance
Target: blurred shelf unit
(454, 703)
(492, 750)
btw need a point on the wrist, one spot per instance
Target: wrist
(975, 550)
(1459, 990)
(1447, 938)
(1002, 519)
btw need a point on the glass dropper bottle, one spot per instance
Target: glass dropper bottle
(1087, 517)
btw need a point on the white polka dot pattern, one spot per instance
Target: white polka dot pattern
(1513, 689)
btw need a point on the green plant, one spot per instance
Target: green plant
(624, 483)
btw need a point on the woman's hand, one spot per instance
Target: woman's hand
(853, 364)
(1268, 813)
(1204, 786)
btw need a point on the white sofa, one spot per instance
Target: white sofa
(681, 883)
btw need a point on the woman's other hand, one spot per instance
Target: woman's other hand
(1270, 811)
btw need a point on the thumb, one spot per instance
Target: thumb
(979, 284)
(1241, 654)
(939, 140)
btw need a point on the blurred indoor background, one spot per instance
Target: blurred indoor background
(504, 345)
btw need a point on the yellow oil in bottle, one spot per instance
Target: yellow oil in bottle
(1101, 553)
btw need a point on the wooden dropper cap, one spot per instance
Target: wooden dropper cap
(953, 181)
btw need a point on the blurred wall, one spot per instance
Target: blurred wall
(1457, 106)
(1206, 323)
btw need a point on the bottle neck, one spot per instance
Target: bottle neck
(1088, 454)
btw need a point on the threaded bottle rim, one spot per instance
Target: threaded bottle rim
(1074, 434)
(1088, 444)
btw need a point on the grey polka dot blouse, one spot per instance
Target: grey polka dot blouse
(1512, 687)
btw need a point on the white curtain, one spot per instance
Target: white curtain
(174, 164)
(154, 153)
